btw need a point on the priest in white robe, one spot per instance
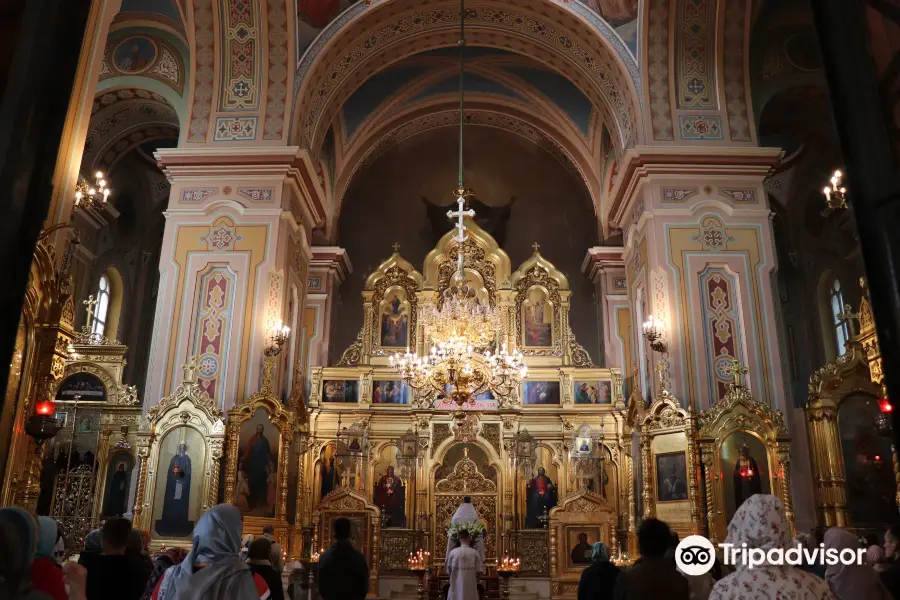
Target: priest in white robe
(466, 513)
(463, 565)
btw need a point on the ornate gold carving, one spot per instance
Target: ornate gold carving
(353, 353)
(465, 478)
(396, 546)
(491, 433)
(439, 433)
(539, 276)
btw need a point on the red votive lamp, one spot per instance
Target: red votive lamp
(885, 405)
(45, 407)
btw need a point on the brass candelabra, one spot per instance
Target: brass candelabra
(508, 567)
(418, 566)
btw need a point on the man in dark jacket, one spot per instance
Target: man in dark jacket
(343, 572)
(113, 575)
(260, 563)
(655, 576)
(891, 577)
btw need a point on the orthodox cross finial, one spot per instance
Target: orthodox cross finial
(396, 247)
(847, 318)
(736, 370)
(459, 215)
(89, 304)
(190, 369)
(536, 247)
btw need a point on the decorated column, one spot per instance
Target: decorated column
(329, 267)
(234, 264)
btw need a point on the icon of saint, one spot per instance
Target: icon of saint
(390, 496)
(176, 503)
(541, 496)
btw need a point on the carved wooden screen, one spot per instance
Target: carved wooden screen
(465, 480)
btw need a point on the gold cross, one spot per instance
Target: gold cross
(89, 303)
(396, 247)
(847, 317)
(661, 367)
(737, 370)
(535, 246)
(190, 369)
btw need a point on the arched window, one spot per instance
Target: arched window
(101, 309)
(841, 329)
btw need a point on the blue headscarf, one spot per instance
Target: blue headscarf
(18, 542)
(217, 541)
(599, 553)
(47, 537)
(92, 542)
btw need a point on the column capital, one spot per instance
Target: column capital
(602, 259)
(643, 162)
(211, 164)
(333, 260)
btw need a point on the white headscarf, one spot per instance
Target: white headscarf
(464, 514)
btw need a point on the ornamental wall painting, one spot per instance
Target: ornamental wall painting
(394, 319)
(540, 392)
(593, 392)
(340, 391)
(722, 327)
(621, 16)
(134, 54)
(745, 469)
(82, 386)
(212, 325)
(537, 318)
(314, 16)
(177, 501)
(256, 489)
(867, 462)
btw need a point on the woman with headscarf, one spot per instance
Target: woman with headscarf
(851, 582)
(93, 547)
(760, 523)
(805, 541)
(18, 543)
(598, 580)
(161, 564)
(212, 569)
(46, 574)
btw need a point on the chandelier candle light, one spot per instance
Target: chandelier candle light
(653, 335)
(91, 196)
(835, 193)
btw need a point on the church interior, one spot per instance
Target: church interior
(362, 259)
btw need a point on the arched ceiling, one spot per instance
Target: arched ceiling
(161, 13)
(366, 45)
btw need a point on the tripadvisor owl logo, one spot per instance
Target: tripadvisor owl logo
(695, 555)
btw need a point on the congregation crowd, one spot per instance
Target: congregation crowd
(114, 564)
(759, 523)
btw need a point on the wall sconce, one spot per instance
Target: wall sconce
(653, 335)
(276, 337)
(835, 194)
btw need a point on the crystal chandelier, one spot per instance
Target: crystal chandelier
(461, 365)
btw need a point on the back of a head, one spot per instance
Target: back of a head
(342, 529)
(114, 535)
(268, 530)
(217, 534)
(464, 536)
(894, 532)
(654, 537)
(467, 499)
(259, 549)
(16, 549)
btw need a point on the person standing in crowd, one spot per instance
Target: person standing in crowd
(46, 574)
(851, 582)
(91, 550)
(655, 576)
(343, 572)
(18, 542)
(277, 555)
(212, 569)
(598, 581)
(113, 575)
(875, 558)
(245, 546)
(161, 564)
(700, 586)
(136, 551)
(806, 541)
(890, 576)
(261, 564)
(760, 523)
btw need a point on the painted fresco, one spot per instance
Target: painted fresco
(257, 477)
(593, 392)
(622, 15)
(745, 468)
(314, 16)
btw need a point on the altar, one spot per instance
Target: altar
(414, 455)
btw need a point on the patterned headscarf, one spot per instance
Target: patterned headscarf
(18, 543)
(599, 553)
(759, 523)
